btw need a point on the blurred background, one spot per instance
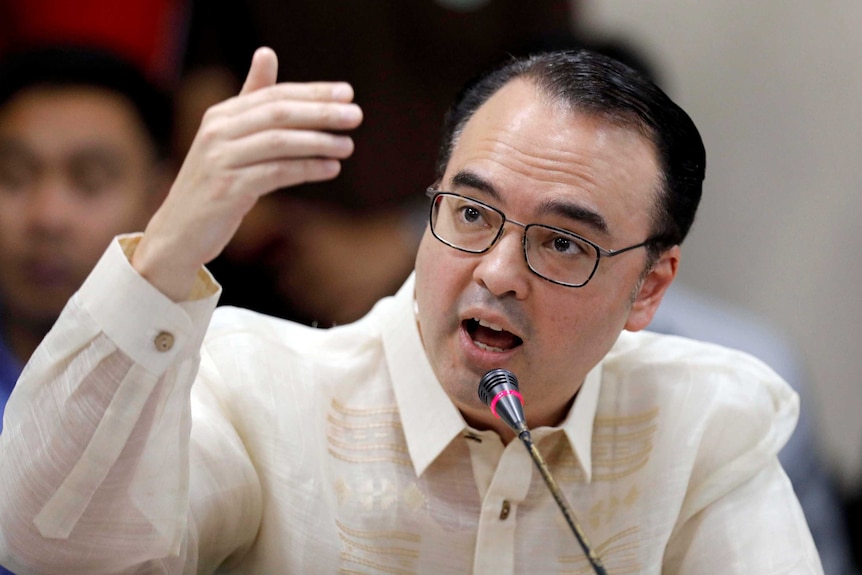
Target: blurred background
(773, 86)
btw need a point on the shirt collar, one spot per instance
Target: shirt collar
(429, 418)
(578, 425)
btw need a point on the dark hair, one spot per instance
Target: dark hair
(598, 85)
(65, 66)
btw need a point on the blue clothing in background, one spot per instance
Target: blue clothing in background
(10, 369)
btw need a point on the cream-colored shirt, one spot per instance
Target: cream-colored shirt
(300, 450)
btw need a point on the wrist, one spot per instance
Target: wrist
(163, 267)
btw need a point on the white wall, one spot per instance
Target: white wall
(776, 90)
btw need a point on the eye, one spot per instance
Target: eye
(564, 245)
(471, 214)
(16, 172)
(557, 243)
(93, 176)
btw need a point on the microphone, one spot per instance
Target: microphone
(498, 389)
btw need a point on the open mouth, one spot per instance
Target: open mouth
(490, 337)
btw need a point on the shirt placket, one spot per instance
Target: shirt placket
(495, 543)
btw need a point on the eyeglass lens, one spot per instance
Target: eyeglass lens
(552, 253)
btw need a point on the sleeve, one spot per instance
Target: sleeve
(740, 510)
(98, 450)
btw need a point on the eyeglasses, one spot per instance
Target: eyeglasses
(554, 254)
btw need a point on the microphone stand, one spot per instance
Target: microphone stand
(498, 389)
(562, 503)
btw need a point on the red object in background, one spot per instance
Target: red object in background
(151, 33)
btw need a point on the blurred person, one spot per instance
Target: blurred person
(188, 440)
(83, 156)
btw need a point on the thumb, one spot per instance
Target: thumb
(262, 72)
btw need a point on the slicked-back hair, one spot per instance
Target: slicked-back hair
(594, 84)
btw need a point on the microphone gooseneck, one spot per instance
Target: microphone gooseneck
(498, 389)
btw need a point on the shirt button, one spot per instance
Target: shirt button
(164, 341)
(504, 510)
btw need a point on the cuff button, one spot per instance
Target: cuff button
(164, 341)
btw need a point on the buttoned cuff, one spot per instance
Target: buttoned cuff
(144, 323)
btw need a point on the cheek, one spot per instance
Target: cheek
(431, 280)
(117, 212)
(440, 281)
(587, 323)
(12, 219)
(10, 228)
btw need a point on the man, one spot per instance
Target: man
(83, 142)
(364, 448)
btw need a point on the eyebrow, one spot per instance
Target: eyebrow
(88, 152)
(569, 210)
(12, 145)
(96, 154)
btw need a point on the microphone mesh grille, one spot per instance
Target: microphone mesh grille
(491, 380)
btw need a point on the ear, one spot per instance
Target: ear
(652, 290)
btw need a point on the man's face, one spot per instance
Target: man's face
(76, 168)
(539, 163)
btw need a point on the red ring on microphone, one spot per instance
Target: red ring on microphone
(504, 393)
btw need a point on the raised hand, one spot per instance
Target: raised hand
(268, 137)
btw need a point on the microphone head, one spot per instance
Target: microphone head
(498, 389)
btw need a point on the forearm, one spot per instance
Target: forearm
(99, 423)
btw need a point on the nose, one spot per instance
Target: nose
(503, 270)
(47, 209)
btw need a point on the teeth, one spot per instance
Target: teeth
(481, 345)
(484, 323)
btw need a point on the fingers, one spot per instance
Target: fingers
(264, 105)
(311, 91)
(267, 128)
(272, 145)
(268, 137)
(296, 115)
(262, 72)
(268, 176)
(279, 98)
